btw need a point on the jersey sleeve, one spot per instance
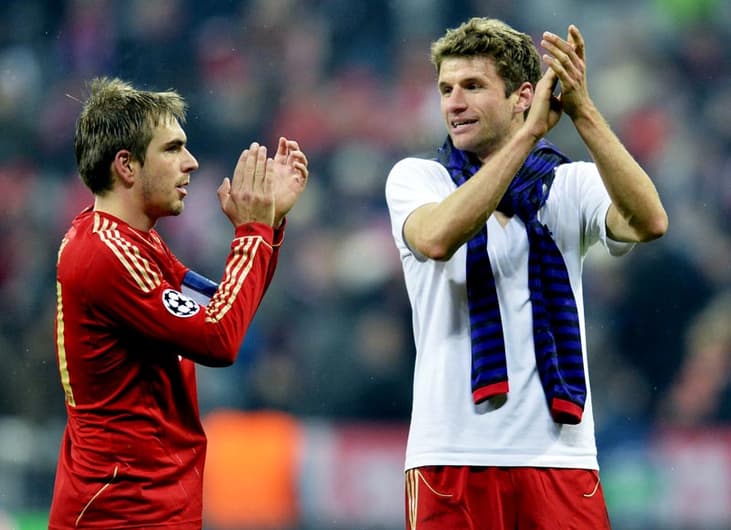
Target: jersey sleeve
(127, 284)
(594, 202)
(411, 183)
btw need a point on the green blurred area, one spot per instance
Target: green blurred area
(29, 521)
(689, 11)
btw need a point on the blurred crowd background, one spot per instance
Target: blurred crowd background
(331, 348)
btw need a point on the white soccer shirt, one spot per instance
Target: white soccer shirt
(447, 428)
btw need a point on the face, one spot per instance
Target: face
(166, 171)
(478, 115)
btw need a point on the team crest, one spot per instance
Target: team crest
(178, 304)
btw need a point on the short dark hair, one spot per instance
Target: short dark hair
(118, 116)
(515, 55)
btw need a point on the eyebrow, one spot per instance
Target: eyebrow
(176, 142)
(463, 81)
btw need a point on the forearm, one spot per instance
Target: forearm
(276, 245)
(438, 230)
(638, 214)
(233, 306)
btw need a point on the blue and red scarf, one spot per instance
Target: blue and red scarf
(556, 333)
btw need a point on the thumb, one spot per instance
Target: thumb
(224, 189)
(547, 83)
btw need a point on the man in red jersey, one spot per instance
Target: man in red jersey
(127, 338)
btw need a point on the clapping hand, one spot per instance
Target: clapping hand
(248, 197)
(567, 59)
(566, 68)
(289, 177)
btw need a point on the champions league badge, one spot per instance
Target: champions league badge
(178, 304)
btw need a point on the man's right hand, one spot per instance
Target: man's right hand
(249, 196)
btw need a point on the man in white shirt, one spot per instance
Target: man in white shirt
(502, 432)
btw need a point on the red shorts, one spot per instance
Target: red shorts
(504, 498)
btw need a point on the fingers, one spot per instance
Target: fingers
(288, 147)
(282, 150)
(225, 187)
(249, 196)
(254, 166)
(548, 80)
(289, 154)
(250, 169)
(565, 57)
(240, 170)
(302, 168)
(292, 145)
(285, 147)
(223, 191)
(576, 39)
(298, 160)
(545, 102)
(261, 166)
(266, 181)
(560, 52)
(561, 49)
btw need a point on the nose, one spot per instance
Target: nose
(454, 100)
(191, 164)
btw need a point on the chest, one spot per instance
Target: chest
(507, 245)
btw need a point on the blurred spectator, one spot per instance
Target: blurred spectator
(664, 291)
(700, 394)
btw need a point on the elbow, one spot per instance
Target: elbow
(227, 357)
(438, 254)
(216, 362)
(427, 237)
(655, 227)
(223, 362)
(435, 250)
(220, 358)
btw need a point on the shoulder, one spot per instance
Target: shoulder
(577, 191)
(576, 170)
(575, 180)
(124, 253)
(415, 171)
(414, 163)
(81, 241)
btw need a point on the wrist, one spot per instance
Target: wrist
(586, 114)
(524, 140)
(279, 233)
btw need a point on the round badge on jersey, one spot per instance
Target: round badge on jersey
(178, 304)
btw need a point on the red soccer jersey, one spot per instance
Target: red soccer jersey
(133, 450)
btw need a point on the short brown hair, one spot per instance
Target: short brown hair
(118, 116)
(514, 53)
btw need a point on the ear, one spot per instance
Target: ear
(124, 168)
(524, 97)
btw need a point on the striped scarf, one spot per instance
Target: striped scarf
(556, 334)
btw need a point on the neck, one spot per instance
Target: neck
(123, 208)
